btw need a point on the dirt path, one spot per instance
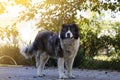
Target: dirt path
(29, 73)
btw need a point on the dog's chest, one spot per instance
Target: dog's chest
(70, 46)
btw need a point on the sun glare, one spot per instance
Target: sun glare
(27, 32)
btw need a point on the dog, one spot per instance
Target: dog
(62, 46)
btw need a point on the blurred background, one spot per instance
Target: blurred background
(98, 21)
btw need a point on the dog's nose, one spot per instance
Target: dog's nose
(68, 35)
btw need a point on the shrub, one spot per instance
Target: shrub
(11, 54)
(90, 63)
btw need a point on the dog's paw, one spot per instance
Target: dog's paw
(71, 76)
(62, 76)
(41, 75)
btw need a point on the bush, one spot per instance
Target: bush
(90, 63)
(79, 59)
(11, 54)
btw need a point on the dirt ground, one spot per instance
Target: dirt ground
(29, 73)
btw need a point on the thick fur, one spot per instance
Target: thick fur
(69, 38)
(64, 47)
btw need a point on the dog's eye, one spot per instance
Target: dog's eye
(73, 29)
(64, 29)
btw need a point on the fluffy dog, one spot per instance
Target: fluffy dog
(63, 47)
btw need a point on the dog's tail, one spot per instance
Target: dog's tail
(28, 52)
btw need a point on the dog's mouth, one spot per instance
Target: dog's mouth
(69, 37)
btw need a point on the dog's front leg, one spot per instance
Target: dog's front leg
(69, 65)
(61, 68)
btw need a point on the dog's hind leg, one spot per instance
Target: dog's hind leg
(43, 59)
(37, 58)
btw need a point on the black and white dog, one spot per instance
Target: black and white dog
(63, 46)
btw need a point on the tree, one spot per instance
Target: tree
(89, 31)
(116, 27)
(51, 14)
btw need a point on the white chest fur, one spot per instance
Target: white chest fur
(70, 47)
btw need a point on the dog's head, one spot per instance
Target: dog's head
(69, 31)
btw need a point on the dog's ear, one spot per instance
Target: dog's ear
(76, 30)
(64, 25)
(61, 34)
(73, 24)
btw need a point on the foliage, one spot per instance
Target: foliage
(13, 52)
(88, 33)
(80, 57)
(2, 8)
(90, 63)
(26, 3)
(52, 14)
(7, 32)
(116, 27)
